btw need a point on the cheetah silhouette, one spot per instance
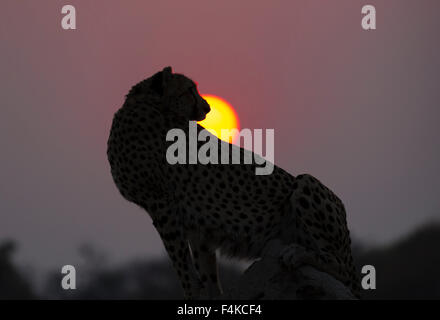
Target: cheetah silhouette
(198, 209)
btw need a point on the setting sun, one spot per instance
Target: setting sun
(221, 116)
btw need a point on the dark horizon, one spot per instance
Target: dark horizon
(406, 269)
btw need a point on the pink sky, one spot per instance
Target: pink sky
(359, 110)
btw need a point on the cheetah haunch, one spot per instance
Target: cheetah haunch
(198, 209)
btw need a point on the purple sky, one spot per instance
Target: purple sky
(359, 110)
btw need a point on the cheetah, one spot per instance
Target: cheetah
(201, 209)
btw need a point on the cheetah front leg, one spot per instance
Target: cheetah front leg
(177, 247)
(205, 263)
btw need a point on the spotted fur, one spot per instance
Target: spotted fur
(198, 209)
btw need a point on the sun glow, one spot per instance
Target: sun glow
(221, 116)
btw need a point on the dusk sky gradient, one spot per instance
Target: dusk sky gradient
(357, 109)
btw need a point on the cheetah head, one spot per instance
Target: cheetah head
(179, 94)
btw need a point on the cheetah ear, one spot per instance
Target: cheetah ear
(160, 81)
(167, 70)
(166, 77)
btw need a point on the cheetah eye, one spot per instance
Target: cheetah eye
(186, 92)
(189, 92)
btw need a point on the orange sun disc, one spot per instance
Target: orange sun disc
(221, 116)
